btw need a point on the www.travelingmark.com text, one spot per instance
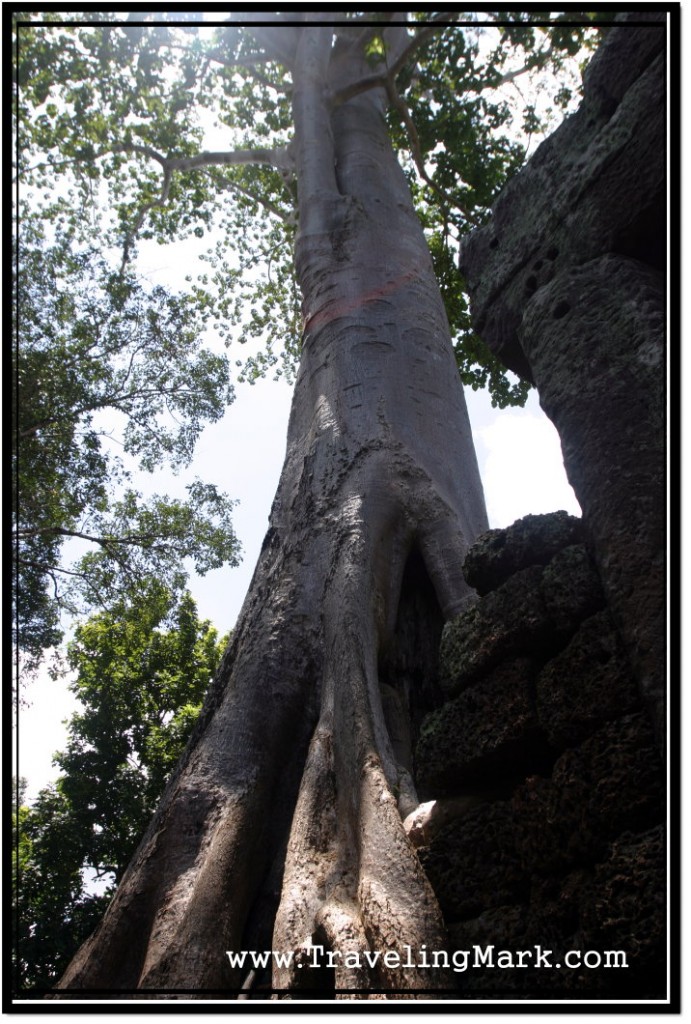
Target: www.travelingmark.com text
(459, 960)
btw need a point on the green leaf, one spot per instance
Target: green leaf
(101, 356)
(141, 674)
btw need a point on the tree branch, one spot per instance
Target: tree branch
(399, 61)
(270, 207)
(279, 158)
(118, 399)
(50, 569)
(251, 64)
(356, 37)
(387, 80)
(511, 76)
(416, 151)
(277, 41)
(251, 68)
(105, 542)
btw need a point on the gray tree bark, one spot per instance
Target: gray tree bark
(282, 826)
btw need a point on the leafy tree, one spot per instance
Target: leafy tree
(141, 672)
(105, 364)
(53, 912)
(282, 824)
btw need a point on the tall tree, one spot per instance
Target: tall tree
(142, 670)
(282, 825)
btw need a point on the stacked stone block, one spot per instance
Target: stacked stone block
(567, 282)
(547, 829)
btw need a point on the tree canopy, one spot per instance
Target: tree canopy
(110, 377)
(118, 111)
(142, 670)
(114, 115)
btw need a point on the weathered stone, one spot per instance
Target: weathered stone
(547, 923)
(577, 915)
(553, 912)
(567, 288)
(551, 923)
(586, 684)
(489, 731)
(509, 622)
(571, 589)
(499, 926)
(596, 185)
(473, 864)
(621, 779)
(539, 839)
(618, 906)
(625, 909)
(532, 540)
(612, 783)
(613, 329)
(618, 62)
(533, 612)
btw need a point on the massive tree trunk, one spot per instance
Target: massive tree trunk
(283, 825)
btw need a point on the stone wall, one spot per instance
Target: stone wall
(543, 825)
(543, 772)
(567, 286)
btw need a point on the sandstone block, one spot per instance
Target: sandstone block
(532, 540)
(588, 683)
(473, 864)
(489, 731)
(511, 621)
(571, 589)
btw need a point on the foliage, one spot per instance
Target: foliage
(140, 686)
(94, 103)
(114, 104)
(144, 129)
(141, 673)
(52, 911)
(103, 362)
(473, 127)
